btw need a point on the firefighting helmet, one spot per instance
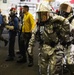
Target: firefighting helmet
(66, 6)
(43, 12)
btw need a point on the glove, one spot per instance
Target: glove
(30, 50)
(56, 17)
(9, 27)
(66, 21)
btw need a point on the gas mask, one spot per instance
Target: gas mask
(64, 14)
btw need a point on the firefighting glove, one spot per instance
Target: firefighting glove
(56, 17)
(65, 21)
(30, 50)
(9, 27)
(31, 44)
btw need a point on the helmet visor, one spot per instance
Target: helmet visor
(42, 16)
(65, 7)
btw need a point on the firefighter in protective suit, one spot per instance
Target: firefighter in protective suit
(51, 47)
(66, 11)
(44, 5)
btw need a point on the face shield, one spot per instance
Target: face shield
(42, 16)
(65, 9)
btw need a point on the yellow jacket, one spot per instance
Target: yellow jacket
(28, 23)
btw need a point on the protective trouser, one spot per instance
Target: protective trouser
(50, 59)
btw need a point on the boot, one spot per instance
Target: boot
(30, 64)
